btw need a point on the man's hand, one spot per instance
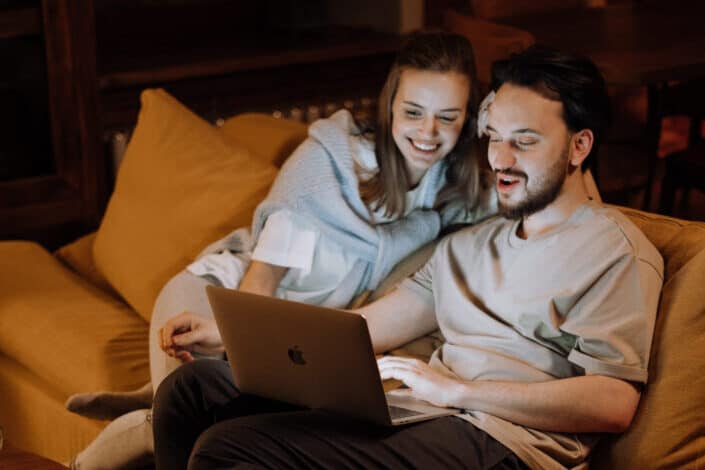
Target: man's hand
(187, 333)
(424, 382)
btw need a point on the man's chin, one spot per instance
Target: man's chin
(513, 208)
(512, 213)
(528, 206)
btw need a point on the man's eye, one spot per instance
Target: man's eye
(494, 140)
(525, 143)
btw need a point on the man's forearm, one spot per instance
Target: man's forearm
(397, 318)
(591, 403)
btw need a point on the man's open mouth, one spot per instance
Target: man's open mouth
(505, 181)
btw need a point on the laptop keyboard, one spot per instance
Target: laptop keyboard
(397, 412)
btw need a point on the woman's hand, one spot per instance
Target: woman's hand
(424, 382)
(188, 333)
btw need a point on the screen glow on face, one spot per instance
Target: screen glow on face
(428, 114)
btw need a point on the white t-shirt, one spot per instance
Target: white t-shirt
(317, 265)
(580, 299)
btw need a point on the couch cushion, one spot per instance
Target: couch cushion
(270, 138)
(34, 418)
(669, 428)
(64, 329)
(180, 186)
(78, 256)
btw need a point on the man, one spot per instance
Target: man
(547, 312)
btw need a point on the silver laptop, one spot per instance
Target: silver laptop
(310, 356)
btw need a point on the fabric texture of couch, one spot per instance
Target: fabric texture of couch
(77, 320)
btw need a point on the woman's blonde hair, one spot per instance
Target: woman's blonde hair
(436, 51)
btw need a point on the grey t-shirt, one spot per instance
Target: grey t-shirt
(580, 299)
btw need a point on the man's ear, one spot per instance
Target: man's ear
(580, 146)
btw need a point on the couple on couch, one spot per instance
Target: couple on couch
(547, 310)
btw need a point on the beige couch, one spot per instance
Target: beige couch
(77, 320)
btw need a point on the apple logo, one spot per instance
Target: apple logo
(296, 356)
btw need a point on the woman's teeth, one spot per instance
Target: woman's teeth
(424, 147)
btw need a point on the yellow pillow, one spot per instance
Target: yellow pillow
(268, 137)
(180, 186)
(78, 255)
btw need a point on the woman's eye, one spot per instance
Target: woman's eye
(413, 113)
(448, 119)
(525, 143)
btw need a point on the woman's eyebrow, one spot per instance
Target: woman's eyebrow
(446, 110)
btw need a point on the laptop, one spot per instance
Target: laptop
(307, 355)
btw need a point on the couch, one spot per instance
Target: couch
(77, 320)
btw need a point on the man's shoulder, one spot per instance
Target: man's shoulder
(610, 220)
(607, 224)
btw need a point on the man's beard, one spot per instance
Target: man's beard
(549, 187)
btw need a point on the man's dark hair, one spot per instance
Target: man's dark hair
(571, 79)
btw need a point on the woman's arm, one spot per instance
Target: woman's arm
(262, 278)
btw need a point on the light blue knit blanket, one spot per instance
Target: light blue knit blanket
(319, 182)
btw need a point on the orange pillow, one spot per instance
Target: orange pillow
(181, 186)
(270, 138)
(78, 255)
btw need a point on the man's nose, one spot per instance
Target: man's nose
(501, 156)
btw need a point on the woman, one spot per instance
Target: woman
(345, 208)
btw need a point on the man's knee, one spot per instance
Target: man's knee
(187, 381)
(232, 443)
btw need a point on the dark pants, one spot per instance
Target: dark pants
(202, 421)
